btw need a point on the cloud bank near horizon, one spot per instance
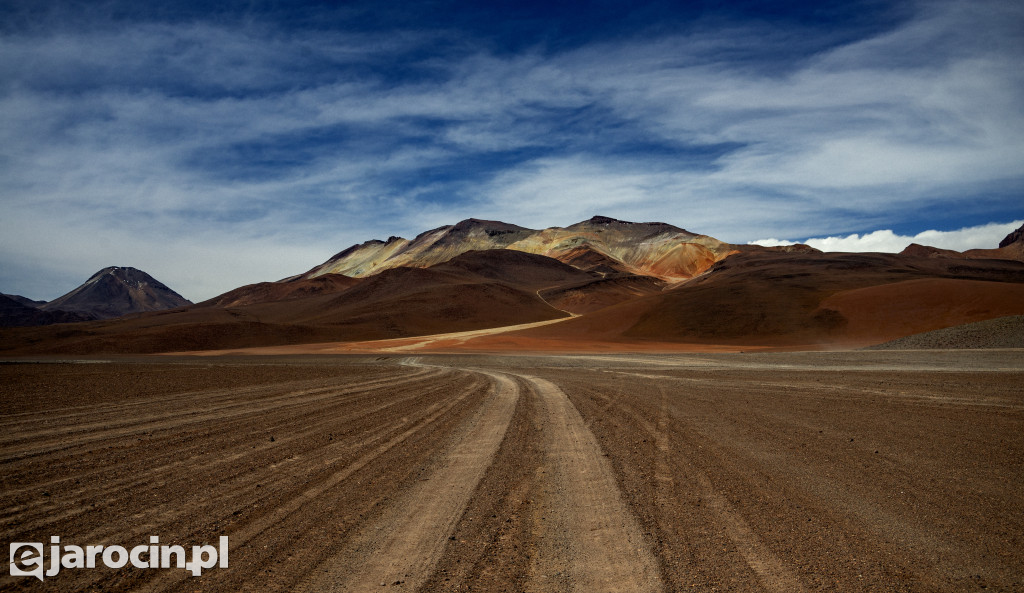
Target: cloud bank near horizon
(214, 149)
(985, 236)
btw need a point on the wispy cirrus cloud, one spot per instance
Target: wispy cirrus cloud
(260, 142)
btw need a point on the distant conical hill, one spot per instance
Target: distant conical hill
(117, 291)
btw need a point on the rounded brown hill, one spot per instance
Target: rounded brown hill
(807, 299)
(296, 288)
(594, 295)
(515, 268)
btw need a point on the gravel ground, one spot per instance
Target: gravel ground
(1003, 332)
(839, 471)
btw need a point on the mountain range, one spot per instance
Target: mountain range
(601, 244)
(607, 283)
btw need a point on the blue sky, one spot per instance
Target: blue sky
(218, 147)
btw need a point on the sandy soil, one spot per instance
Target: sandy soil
(854, 471)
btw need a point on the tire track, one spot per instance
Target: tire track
(769, 568)
(664, 481)
(592, 542)
(304, 496)
(148, 404)
(111, 489)
(888, 528)
(75, 414)
(99, 431)
(404, 544)
(771, 572)
(165, 458)
(348, 398)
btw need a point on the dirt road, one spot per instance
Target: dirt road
(862, 471)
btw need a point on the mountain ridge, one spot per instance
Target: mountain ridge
(656, 249)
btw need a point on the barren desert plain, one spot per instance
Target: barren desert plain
(518, 296)
(777, 420)
(405, 470)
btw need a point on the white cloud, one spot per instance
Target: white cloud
(985, 236)
(115, 135)
(867, 126)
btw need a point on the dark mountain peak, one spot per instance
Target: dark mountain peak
(607, 222)
(499, 233)
(491, 227)
(604, 220)
(7, 302)
(127, 275)
(16, 314)
(117, 291)
(109, 270)
(464, 227)
(1016, 236)
(24, 300)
